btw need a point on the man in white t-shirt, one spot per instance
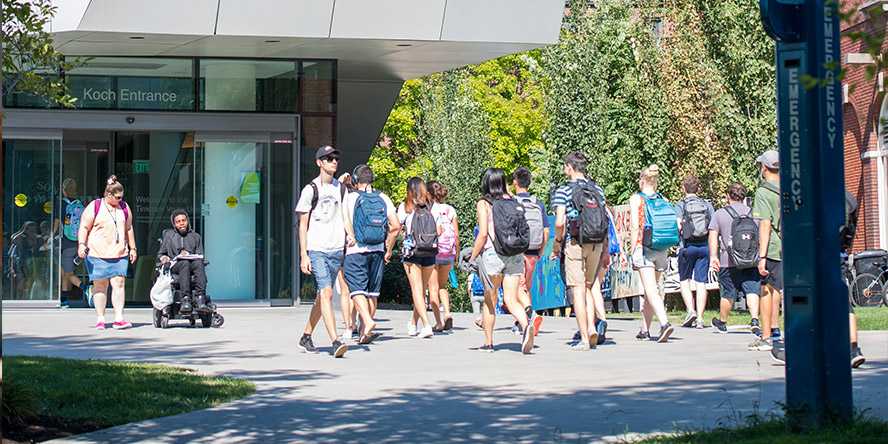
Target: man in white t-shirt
(321, 243)
(371, 226)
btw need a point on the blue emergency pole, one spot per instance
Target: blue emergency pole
(810, 139)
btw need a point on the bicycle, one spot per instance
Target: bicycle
(870, 288)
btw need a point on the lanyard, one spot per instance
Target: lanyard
(114, 219)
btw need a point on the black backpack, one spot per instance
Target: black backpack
(695, 220)
(424, 231)
(591, 225)
(510, 229)
(744, 243)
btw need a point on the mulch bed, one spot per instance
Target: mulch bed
(44, 428)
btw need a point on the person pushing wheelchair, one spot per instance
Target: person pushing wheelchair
(182, 246)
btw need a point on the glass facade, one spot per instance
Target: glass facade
(238, 187)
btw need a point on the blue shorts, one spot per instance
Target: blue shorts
(325, 267)
(99, 268)
(363, 273)
(421, 261)
(735, 283)
(693, 262)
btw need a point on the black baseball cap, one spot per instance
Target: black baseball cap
(325, 151)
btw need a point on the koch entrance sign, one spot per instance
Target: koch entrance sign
(818, 376)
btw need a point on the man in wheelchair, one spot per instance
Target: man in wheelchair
(184, 248)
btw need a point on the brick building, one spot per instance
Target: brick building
(866, 124)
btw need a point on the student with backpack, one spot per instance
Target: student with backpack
(694, 217)
(538, 225)
(107, 241)
(371, 226)
(71, 211)
(653, 228)
(733, 253)
(581, 234)
(503, 238)
(448, 247)
(419, 249)
(766, 208)
(321, 244)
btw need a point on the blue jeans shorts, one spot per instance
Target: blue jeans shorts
(325, 267)
(363, 273)
(693, 263)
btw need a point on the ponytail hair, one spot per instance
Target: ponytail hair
(649, 176)
(437, 190)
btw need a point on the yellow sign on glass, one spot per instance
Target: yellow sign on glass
(21, 200)
(231, 201)
(47, 207)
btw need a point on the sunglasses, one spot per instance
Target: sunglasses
(330, 159)
(117, 196)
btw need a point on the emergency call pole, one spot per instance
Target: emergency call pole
(810, 139)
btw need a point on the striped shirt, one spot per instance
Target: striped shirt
(563, 197)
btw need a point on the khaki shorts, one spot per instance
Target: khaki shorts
(581, 263)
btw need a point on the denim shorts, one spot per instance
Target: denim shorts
(505, 265)
(325, 267)
(99, 268)
(423, 262)
(735, 283)
(363, 273)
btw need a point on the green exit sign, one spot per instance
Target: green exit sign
(141, 166)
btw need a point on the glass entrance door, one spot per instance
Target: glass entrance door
(31, 240)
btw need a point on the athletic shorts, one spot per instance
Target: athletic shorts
(644, 257)
(505, 265)
(325, 267)
(363, 273)
(421, 261)
(581, 263)
(68, 256)
(775, 274)
(735, 283)
(693, 263)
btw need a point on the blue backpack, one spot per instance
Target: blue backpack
(660, 223)
(370, 220)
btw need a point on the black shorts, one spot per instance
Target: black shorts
(775, 274)
(421, 261)
(363, 273)
(735, 283)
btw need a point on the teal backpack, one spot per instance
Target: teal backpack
(71, 222)
(660, 223)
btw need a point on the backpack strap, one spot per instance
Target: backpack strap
(773, 188)
(731, 212)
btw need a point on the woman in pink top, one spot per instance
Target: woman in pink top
(107, 241)
(448, 245)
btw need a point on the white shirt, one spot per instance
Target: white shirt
(326, 231)
(351, 200)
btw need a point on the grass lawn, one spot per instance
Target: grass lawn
(775, 431)
(868, 318)
(62, 396)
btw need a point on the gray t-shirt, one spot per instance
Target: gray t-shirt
(721, 223)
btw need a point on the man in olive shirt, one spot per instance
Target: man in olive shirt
(766, 208)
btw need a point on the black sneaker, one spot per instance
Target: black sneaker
(643, 336)
(755, 327)
(778, 353)
(775, 333)
(717, 324)
(339, 349)
(665, 332)
(306, 344)
(487, 348)
(689, 320)
(577, 336)
(527, 340)
(601, 328)
(857, 358)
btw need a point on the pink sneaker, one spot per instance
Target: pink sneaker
(100, 325)
(121, 325)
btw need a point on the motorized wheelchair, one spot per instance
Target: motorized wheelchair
(208, 318)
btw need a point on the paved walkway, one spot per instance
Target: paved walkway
(403, 389)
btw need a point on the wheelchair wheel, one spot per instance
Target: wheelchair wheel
(868, 290)
(157, 315)
(206, 320)
(164, 321)
(218, 320)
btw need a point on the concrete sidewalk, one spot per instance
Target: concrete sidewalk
(402, 389)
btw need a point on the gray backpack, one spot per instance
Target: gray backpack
(534, 218)
(695, 220)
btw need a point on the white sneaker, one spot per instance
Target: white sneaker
(426, 332)
(346, 335)
(411, 328)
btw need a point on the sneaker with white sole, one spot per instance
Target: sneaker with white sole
(121, 325)
(339, 349)
(426, 332)
(689, 320)
(527, 340)
(760, 345)
(411, 328)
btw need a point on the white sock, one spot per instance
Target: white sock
(100, 319)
